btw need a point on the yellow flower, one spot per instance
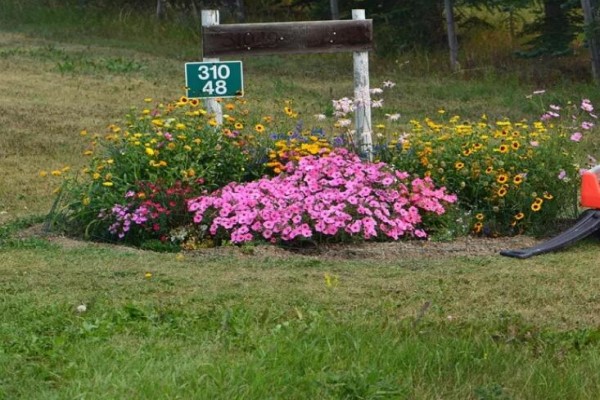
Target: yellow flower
(518, 179)
(479, 217)
(83, 132)
(148, 275)
(56, 173)
(187, 148)
(259, 128)
(183, 99)
(459, 165)
(88, 153)
(515, 145)
(180, 126)
(519, 216)
(330, 280)
(548, 196)
(43, 173)
(107, 184)
(538, 200)
(171, 146)
(194, 102)
(86, 201)
(150, 151)
(96, 176)
(238, 125)
(502, 192)
(212, 122)
(489, 170)
(478, 227)
(503, 148)
(535, 207)
(148, 99)
(229, 106)
(502, 178)
(158, 122)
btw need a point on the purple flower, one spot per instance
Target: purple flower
(562, 175)
(576, 137)
(586, 105)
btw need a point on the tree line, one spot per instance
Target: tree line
(405, 24)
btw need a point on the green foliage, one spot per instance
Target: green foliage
(161, 156)
(399, 26)
(510, 177)
(11, 237)
(554, 28)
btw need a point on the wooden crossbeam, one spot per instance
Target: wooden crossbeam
(287, 38)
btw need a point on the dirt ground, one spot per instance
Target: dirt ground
(387, 251)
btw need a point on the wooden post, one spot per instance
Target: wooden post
(451, 32)
(591, 35)
(335, 10)
(362, 98)
(210, 18)
(160, 10)
(240, 11)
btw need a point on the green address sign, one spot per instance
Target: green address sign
(214, 79)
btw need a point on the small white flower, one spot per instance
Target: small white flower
(393, 117)
(320, 117)
(377, 103)
(344, 122)
(81, 308)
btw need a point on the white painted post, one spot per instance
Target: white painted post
(210, 18)
(362, 98)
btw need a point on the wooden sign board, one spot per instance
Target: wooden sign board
(287, 38)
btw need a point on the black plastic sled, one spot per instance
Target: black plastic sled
(588, 223)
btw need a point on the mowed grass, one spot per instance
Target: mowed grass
(258, 322)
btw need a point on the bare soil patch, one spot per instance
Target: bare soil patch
(462, 246)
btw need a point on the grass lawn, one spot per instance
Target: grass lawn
(257, 322)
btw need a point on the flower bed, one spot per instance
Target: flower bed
(170, 175)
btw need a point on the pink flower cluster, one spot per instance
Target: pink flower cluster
(329, 195)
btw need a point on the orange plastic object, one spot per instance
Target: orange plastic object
(590, 188)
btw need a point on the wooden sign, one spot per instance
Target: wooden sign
(287, 38)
